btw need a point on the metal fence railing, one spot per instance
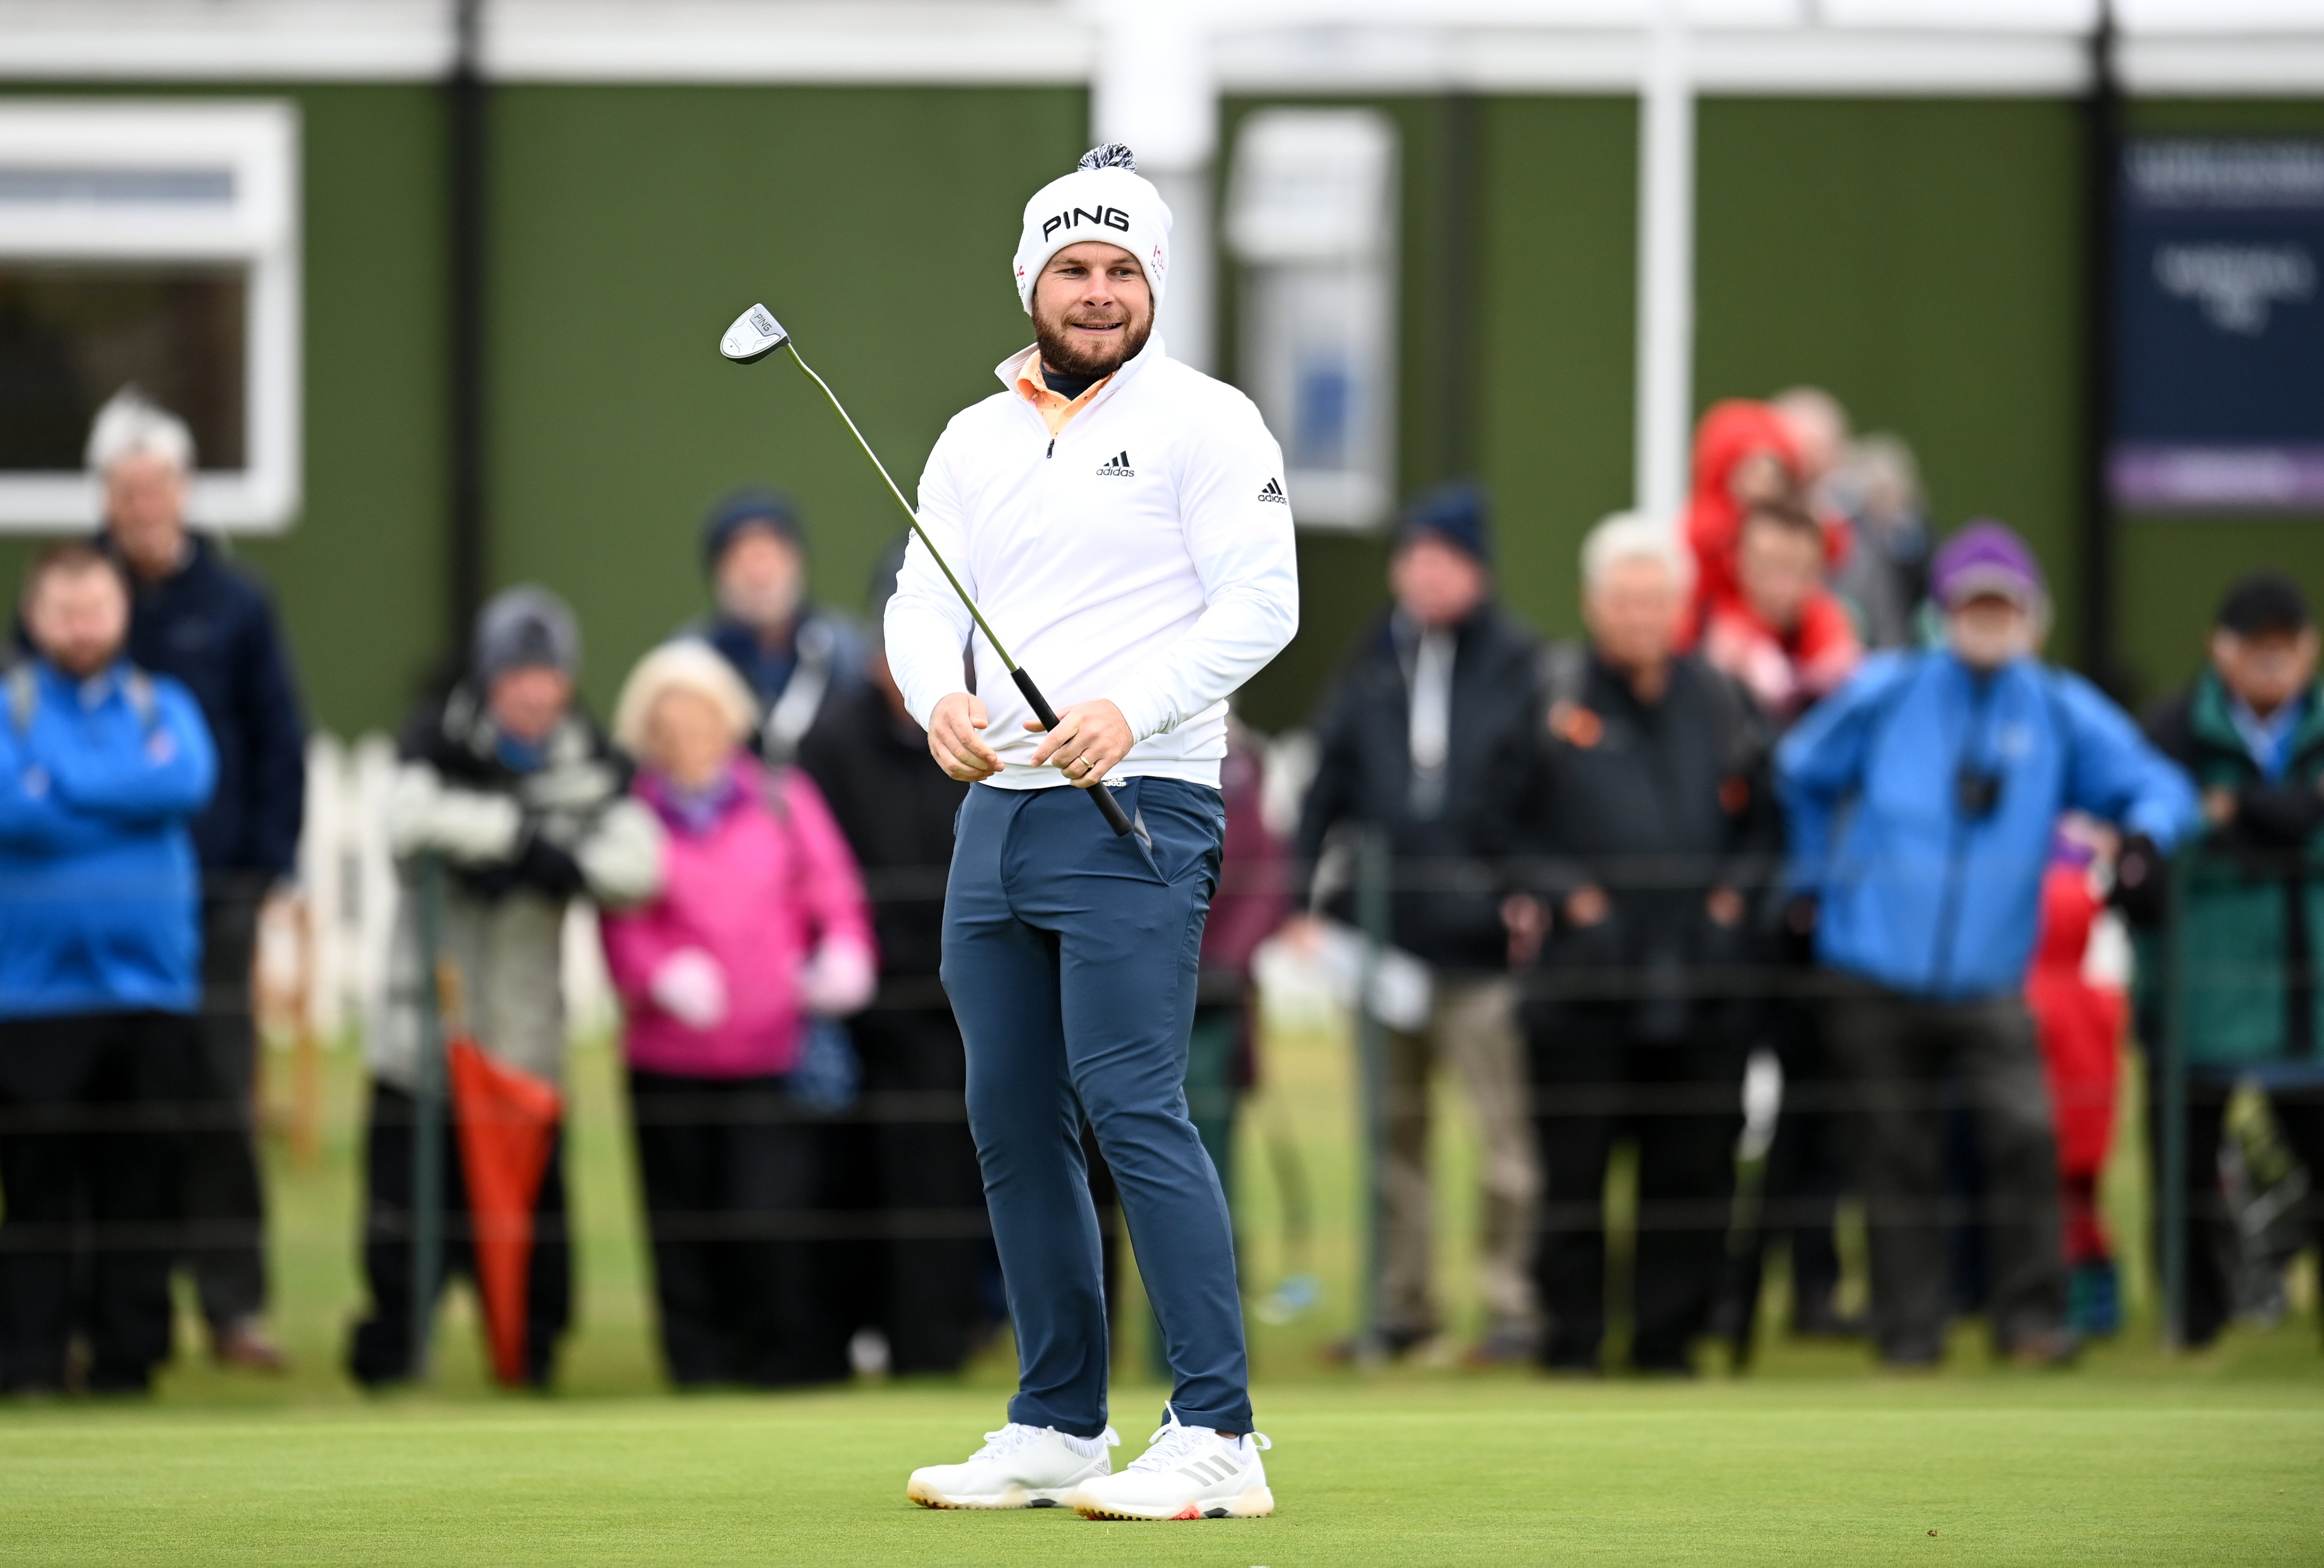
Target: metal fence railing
(1762, 977)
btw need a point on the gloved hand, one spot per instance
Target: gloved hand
(2141, 881)
(691, 988)
(2280, 815)
(545, 865)
(838, 979)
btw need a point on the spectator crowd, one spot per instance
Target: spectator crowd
(1803, 808)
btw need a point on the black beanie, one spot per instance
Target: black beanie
(751, 506)
(1454, 512)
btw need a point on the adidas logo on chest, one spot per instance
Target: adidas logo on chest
(1273, 491)
(1117, 467)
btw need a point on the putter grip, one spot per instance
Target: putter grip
(1107, 805)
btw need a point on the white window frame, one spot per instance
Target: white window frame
(254, 224)
(1312, 211)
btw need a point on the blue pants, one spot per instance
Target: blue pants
(1070, 956)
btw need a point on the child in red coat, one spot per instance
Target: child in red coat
(2078, 1016)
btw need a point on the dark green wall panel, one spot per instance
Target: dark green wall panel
(1558, 286)
(632, 224)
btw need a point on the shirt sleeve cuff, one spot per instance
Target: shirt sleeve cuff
(1144, 710)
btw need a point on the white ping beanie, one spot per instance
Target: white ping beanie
(1106, 199)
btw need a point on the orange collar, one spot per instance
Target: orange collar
(1054, 408)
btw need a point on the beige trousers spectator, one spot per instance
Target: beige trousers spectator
(1471, 1027)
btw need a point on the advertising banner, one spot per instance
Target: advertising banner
(2219, 327)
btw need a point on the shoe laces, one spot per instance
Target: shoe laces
(1173, 1440)
(1016, 1435)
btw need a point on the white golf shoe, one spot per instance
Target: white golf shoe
(1018, 1467)
(1191, 1472)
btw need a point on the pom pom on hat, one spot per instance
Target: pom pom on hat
(1104, 198)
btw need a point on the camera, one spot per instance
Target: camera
(1976, 792)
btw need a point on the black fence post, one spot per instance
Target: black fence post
(1372, 1057)
(427, 1119)
(2170, 1064)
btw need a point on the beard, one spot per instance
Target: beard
(1060, 353)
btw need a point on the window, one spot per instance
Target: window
(154, 245)
(1310, 215)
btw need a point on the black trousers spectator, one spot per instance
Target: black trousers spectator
(381, 1349)
(224, 1201)
(2210, 1239)
(1680, 1102)
(732, 1184)
(928, 1276)
(1898, 1053)
(1805, 1166)
(90, 1149)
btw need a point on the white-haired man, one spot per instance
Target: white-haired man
(210, 625)
(1120, 519)
(1650, 829)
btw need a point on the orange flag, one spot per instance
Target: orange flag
(508, 1123)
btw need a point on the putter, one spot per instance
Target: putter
(755, 335)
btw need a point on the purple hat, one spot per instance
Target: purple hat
(1987, 558)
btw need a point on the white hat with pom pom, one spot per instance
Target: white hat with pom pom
(1106, 199)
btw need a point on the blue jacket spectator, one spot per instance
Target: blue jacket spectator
(99, 778)
(1923, 797)
(102, 766)
(1921, 890)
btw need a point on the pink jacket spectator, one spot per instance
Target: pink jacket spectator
(763, 887)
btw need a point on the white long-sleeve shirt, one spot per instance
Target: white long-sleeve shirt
(1143, 554)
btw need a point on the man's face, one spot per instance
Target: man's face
(1435, 584)
(529, 702)
(2267, 668)
(1988, 631)
(1780, 568)
(78, 618)
(1633, 612)
(761, 579)
(1092, 309)
(145, 507)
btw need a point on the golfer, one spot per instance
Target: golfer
(1120, 521)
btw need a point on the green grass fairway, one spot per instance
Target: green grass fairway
(2034, 1469)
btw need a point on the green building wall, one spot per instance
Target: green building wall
(633, 224)
(1920, 258)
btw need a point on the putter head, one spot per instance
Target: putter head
(755, 335)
